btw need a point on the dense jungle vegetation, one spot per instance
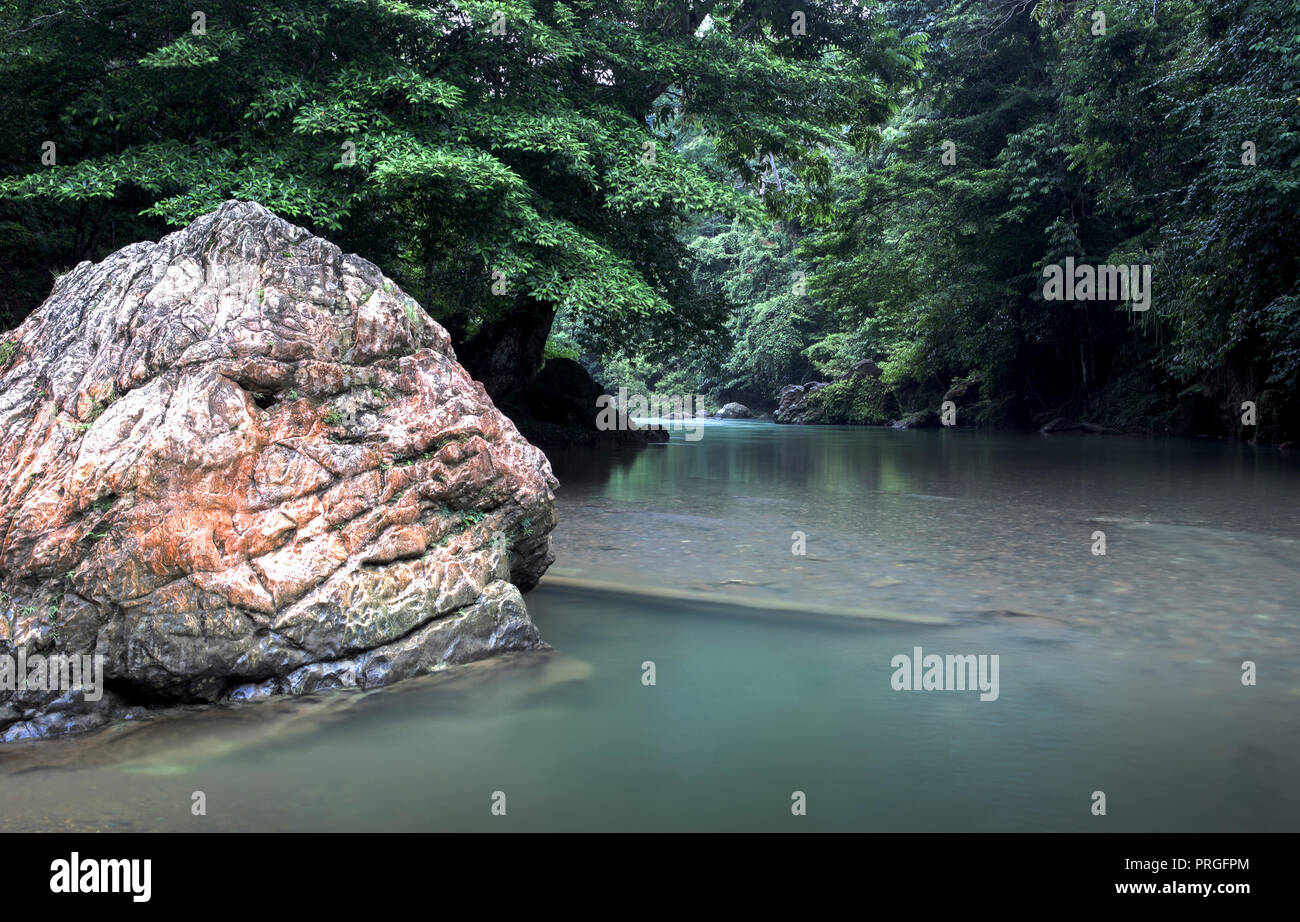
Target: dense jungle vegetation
(720, 197)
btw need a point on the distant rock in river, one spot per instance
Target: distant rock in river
(793, 407)
(734, 411)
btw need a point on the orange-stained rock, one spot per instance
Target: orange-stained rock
(239, 461)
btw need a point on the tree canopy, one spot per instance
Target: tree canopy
(1118, 132)
(719, 196)
(448, 141)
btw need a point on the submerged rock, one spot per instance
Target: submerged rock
(239, 461)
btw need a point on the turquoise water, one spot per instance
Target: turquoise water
(1117, 673)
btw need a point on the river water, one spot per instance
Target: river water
(771, 575)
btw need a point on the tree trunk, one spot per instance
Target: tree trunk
(506, 353)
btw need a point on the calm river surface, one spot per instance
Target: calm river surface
(1119, 673)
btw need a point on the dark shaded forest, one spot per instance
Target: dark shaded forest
(721, 198)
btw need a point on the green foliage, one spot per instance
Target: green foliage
(561, 345)
(423, 138)
(754, 267)
(714, 205)
(863, 401)
(1122, 147)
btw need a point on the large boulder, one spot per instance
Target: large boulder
(793, 406)
(238, 462)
